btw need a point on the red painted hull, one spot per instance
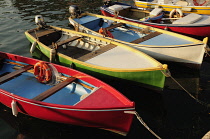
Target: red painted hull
(104, 115)
(193, 30)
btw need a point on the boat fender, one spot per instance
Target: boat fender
(14, 108)
(105, 32)
(33, 46)
(64, 46)
(166, 28)
(52, 55)
(198, 4)
(176, 13)
(42, 72)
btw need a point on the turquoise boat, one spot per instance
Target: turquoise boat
(97, 56)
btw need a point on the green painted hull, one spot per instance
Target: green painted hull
(153, 79)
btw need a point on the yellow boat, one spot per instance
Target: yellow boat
(188, 6)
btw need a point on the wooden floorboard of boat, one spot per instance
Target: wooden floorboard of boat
(54, 89)
(147, 37)
(11, 75)
(73, 51)
(97, 52)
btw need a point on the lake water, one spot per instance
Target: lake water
(171, 114)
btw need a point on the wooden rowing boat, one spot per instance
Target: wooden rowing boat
(160, 44)
(188, 6)
(69, 97)
(98, 56)
(193, 24)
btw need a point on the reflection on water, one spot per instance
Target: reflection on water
(172, 114)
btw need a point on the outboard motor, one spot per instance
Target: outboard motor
(74, 11)
(39, 20)
(108, 3)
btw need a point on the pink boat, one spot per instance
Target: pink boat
(62, 94)
(192, 24)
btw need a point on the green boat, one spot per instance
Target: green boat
(97, 56)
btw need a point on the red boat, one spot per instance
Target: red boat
(56, 93)
(193, 25)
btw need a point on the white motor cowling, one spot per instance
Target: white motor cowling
(74, 10)
(39, 20)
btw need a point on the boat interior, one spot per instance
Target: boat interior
(18, 78)
(135, 13)
(129, 33)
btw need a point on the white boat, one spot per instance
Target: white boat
(160, 44)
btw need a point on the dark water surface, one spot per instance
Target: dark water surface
(171, 114)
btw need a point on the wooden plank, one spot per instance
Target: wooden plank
(45, 32)
(149, 36)
(114, 26)
(54, 89)
(97, 52)
(68, 40)
(14, 74)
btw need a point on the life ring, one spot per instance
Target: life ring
(42, 72)
(198, 4)
(105, 32)
(176, 13)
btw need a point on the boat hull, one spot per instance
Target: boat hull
(60, 114)
(179, 54)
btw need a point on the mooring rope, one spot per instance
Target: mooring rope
(168, 74)
(143, 123)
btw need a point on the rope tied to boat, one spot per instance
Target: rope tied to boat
(167, 73)
(142, 122)
(207, 52)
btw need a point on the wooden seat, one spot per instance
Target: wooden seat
(54, 89)
(97, 52)
(68, 40)
(11, 75)
(114, 26)
(147, 37)
(45, 32)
